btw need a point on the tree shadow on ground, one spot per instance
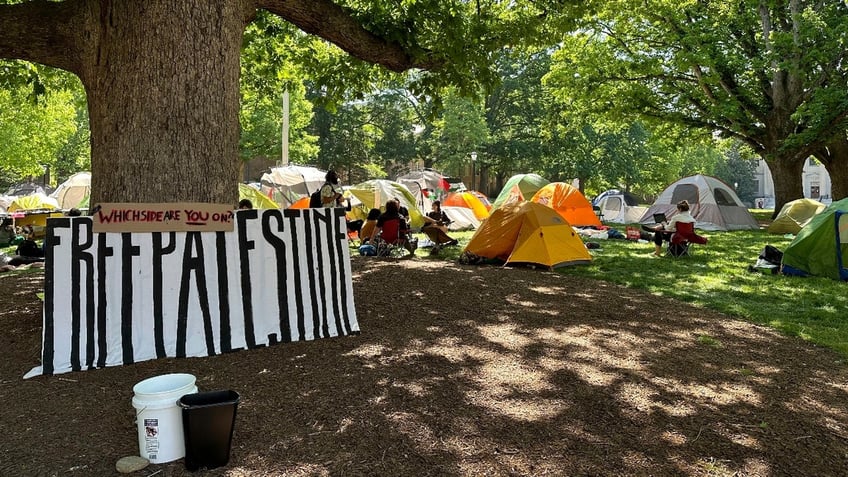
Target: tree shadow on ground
(468, 371)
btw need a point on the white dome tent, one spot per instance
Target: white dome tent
(619, 207)
(713, 203)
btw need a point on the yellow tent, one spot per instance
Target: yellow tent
(257, 198)
(466, 200)
(33, 210)
(794, 215)
(528, 233)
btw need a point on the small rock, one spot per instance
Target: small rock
(131, 463)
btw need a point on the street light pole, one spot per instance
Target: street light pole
(473, 172)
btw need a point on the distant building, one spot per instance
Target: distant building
(815, 180)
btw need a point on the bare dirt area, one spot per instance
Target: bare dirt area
(463, 371)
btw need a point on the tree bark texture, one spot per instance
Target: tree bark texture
(163, 98)
(834, 157)
(788, 186)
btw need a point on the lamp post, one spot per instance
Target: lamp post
(473, 172)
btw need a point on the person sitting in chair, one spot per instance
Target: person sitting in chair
(368, 227)
(392, 215)
(436, 227)
(662, 231)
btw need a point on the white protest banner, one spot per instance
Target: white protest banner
(112, 299)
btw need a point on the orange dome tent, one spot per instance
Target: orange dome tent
(466, 200)
(569, 203)
(485, 200)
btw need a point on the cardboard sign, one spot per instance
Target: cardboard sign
(165, 217)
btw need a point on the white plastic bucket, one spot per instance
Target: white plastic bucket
(160, 421)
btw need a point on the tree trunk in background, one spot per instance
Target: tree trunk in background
(788, 185)
(155, 130)
(834, 157)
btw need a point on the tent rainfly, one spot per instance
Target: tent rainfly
(527, 232)
(821, 247)
(794, 215)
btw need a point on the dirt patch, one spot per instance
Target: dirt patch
(463, 370)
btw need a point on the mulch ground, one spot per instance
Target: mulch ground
(462, 370)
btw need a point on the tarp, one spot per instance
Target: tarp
(794, 215)
(568, 202)
(285, 185)
(712, 202)
(821, 247)
(375, 193)
(527, 232)
(33, 202)
(73, 191)
(35, 208)
(256, 197)
(466, 200)
(521, 186)
(619, 207)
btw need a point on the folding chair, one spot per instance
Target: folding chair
(393, 239)
(683, 238)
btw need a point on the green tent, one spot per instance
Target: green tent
(257, 198)
(820, 248)
(521, 187)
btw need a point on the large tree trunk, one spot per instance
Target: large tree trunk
(163, 102)
(162, 79)
(788, 184)
(834, 157)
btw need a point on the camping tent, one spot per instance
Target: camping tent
(461, 218)
(426, 186)
(257, 198)
(285, 185)
(619, 207)
(528, 232)
(569, 203)
(375, 193)
(794, 215)
(483, 199)
(33, 210)
(820, 248)
(73, 191)
(521, 186)
(712, 202)
(466, 200)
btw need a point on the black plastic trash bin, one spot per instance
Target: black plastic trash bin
(209, 419)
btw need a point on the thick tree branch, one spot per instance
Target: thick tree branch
(329, 21)
(44, 32)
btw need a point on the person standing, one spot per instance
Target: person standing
(331, 192)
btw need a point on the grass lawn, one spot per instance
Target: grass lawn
(716, 276)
